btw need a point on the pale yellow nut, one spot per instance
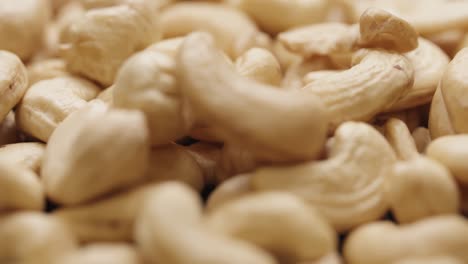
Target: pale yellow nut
(230, 189)
(285, 57)
(95, 151)
(22, 24)
(107, 95)
(8, 130)
(275, 16)
(297, 233)
(439, 120)
(273, 124)
(13, 82)
(431, 237)
(46, 69)
(20, 189)
(33, 238)
(47, 103)
(27, 154)
(260, 65)
(294, 77)
(450, 41)
(422, 138)
(452, 152)
(432, 260)
(169, 46)
(115, 253)
(376, 80)
(171, 222)
(154, 91)
(232, 29)
(97, 44)
(399, 137)
(174, 163)
(347, 187)
(111, 218)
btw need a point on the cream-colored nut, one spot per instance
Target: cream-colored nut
(429, 63)
(347, 187)
(285, 57)
(432, 237)
(452, 152)
(275, 16)
(171, 222)
(260, 65)
(154, 91)
(97, 44)
(399, 137)
(107, 95)
(422, 138)
(46, 69)
(232, 29)
(449, 41)
(20, 189)
(174, 163)
(22, 25)
(93, 152)
(316, 75)
(13, 82)
(439, 120)
(27, 154)
(47, 103)
(169, 46)
(298, 232)
(295, 74)
(432, 260)
(230, 189)
(33, 238)
(376, 80)
(108, 219)
(297, 130)
(117, 253)
(152, 5)
(8, 130)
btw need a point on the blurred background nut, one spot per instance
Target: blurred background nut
(25, 154)
(47, 103)
(33, 238)
(95, 151)
(13, 82)
(116, 253)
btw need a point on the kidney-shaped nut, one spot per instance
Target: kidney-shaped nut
(96, 45)
(13, 82)
(47, 103)
(297, 233)
(116, 253)
(347, 187)
(20, 188)
(232, 29)
(171, 222)
(260, 65)
(271, 14)
(93, 152)
(111, 218)
(432, 237)
(452, 151)
(22, 25)
(33, 238)
(273, 124)
(26, 154)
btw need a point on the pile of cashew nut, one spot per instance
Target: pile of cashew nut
(233, 132)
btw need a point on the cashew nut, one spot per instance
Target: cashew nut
(230, 189)
(432, 260)
(260, 65)
(422, 138)
(13, 82)
(46, 69)
(439, 120)
(103, 253)
(27, 154)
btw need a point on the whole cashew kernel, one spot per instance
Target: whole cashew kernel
(13, 82)
(348, 187)
(303, 234)
(26, 154)
(117, 253)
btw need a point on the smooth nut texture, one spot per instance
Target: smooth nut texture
(230, 189)
(46, 69)
(260, 65)
(27, 154)
(13, 82)
(117, 253)
(452, 152)
(439, 119)
(93, 152)
(47, 103)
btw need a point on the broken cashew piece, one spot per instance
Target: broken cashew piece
(418, 187)
(171, 222)
(432, 237)
(296, 125)
(348, 187)
(303, 234)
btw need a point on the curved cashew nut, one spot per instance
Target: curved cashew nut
(109, 219)
(439, 120)
(27, 154)
(417, 187)
(47, 103)
(233, 30)
(451, 151)
(376, 81)
(20, 188)
(13, 82)
(33, 238)
(72, 175)
(270, 14)
(302, 235)
(273, 124)
(118, 253)
(171, 222)
(260, 65)
(348, 187)
(432, 237)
